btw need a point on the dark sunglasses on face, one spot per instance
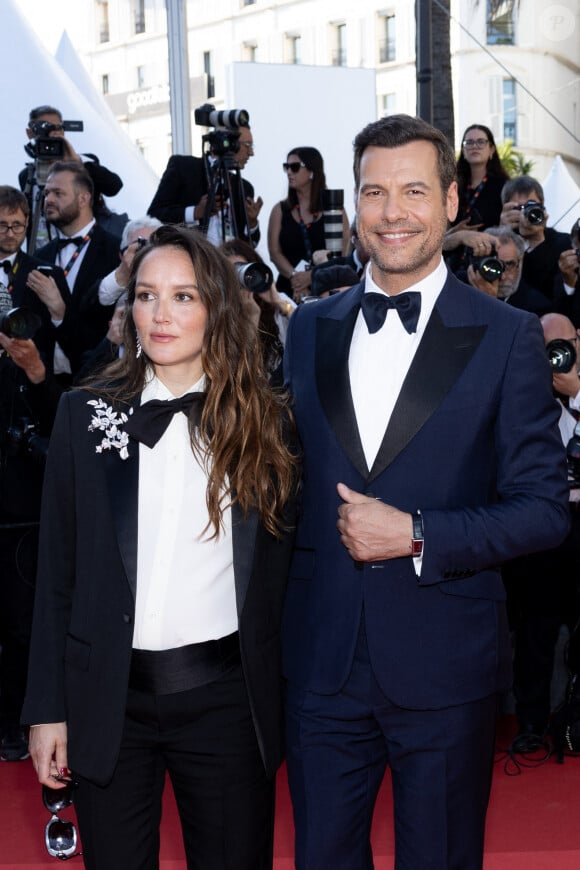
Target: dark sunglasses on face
(60, 835)
(296, 166)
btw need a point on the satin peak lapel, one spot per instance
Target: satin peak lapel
(333, 338)
(123, 484)
(441, 357)
(244, 531)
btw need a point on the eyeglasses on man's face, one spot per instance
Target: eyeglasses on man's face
(16, 228)
(510, 265)
(295, 166)
(474, 143)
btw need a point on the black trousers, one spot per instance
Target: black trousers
(18, 559)
(204, 739)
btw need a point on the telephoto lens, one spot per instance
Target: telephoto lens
(19, 323)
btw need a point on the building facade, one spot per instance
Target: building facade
(515, 63)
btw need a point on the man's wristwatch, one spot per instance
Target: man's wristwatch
(417, 539)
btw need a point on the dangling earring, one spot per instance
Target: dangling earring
(311, 176)
(138, 345)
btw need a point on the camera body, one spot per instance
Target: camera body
(534, 212)
(561, 355)
(19, 323)
(489, 267)
(46, 147)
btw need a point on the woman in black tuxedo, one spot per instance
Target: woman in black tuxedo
(165, 540)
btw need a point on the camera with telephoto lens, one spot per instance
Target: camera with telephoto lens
(22, 439)
(489, 267)
(561, 355)
(47, 147)
(534, 212)
(19, 323)
(256, 277)
(222, 142)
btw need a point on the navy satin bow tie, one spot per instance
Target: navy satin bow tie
(7, 266)
(75, 240)
(148, 422)
(375, 306)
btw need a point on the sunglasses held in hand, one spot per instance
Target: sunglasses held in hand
(60, 835)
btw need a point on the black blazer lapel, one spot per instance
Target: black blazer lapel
(123, 484)
(244, 531)
(333, 338)
(441, 357)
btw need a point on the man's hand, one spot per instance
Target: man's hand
(253, 207)
(567, 383)
(482, 244)
(300, 283)
(510, 216)
(47, 745)
(199, 210)
(476, 280)
(45, 288)
(568, 265)
(24, 354)
(370, 530)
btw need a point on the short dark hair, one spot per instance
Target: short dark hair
(37, 113)
(522, 184)
(12, 199)
(82, 179)
(393, 131)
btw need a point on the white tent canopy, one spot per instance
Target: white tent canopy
(561, 196)
(29, 77)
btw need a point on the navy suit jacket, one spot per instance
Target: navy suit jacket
(473, 443)
(85, 598)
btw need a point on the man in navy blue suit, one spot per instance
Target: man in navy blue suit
(431, 455)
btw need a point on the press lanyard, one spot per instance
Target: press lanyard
(76, 254)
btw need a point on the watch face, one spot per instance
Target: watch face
(417, 547)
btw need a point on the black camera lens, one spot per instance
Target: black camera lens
(19, 323)
(534, 213)
(490, 268)
(561, 354)
(256, 277)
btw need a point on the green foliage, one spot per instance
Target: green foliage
(513, 161)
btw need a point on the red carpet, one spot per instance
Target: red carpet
(533, 821)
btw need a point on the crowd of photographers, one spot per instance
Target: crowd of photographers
(62, 303)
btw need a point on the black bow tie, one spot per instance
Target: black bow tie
(148, 422)
(74, 240)
(7, 266)
(375, 306)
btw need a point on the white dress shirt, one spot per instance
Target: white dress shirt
(185, 582)
(378, 363)
(63, 257)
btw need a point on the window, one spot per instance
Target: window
(339, 53)
(510, 130)
(103, 20)
(141, 77)
(207, 68)
(389, 104)
(500, 22)
(250, 52)
(295, 49)
(105, 83)
(139, 15)
(248, 2)
(387, 44)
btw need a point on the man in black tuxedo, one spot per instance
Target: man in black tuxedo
(27, 406)
(182, 194)
(86, 253)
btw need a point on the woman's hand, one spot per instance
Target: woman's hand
(47, 745)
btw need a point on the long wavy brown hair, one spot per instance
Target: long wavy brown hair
(246, 437)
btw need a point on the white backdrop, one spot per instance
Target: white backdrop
(292, 105)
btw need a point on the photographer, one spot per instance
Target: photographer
(567, 295)
(524, 212)
(183, 192)
(542, 588)
(44, 123)
(508, 248)
(28, 399)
